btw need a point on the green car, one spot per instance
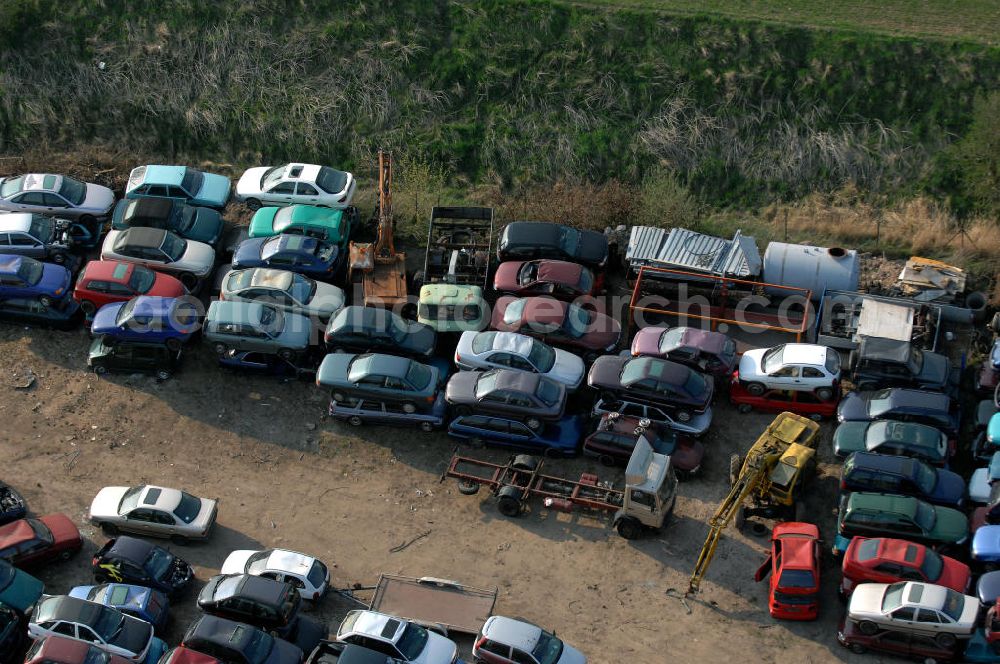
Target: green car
(451, 308)
(886, 515)
(333, 226)
(18, 590)
(889, 437)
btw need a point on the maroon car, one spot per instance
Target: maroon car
(560, 279)
(557, 323)
(711, 352)
(652, 381)
(33, 541)
(615, 437)
(62, 650)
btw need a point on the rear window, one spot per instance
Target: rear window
(868, 550)
(317, 574)
(331, 180)
(797, 578)
(483, 342)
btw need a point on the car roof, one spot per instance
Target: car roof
(131, 548)
(308, 172)
(534, 232)
(665, 370)
(890, 350)
(219, 630)
(355, 654)
(157, 174)
(924, 594)
(261, 589)
(912, 434)
(17, 221)
(558, 271)
(879, 502)
(379, 625)
(897, 550)
(10, 264)
(804, 354)
(160, 497)
(706, 340)
(62, 649)
(235, 311)
(520, 381)
(36, 182)
(15, 533)
(901, 397)
(73, 609)
(380, 364)
(150, 207)
(141, 237)
(521, 635)
(290, 561)
(153, 306)
(369, 318)
(297, 243)
(544, 311)
(118, 271)
(268, 278)
(511, 342)
(883, 462)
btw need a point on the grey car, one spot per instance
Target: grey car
(60, 195)
(286, 290)
(242, 326)
(386, 378)
(153, 510)
(507, 392)
(35, 235)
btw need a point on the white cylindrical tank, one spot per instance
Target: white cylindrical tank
(815, 268)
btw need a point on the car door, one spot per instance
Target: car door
(55, 202)
(493, 652)
(85, 633)
(139, 520)
(306, 193)
(787, 377)
(282, 193)
(25, 245)
(30, 201)
(928, 620)
(164, 522)
(904, 616)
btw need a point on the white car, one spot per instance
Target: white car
(508, 641)
(56, 195)
(510, 350)
(161, 250)
(396, 637)
(105, 627)
(153, 510)
(910, 606)
(285, 290)
(308, 575)
(291, 184)
(796, 367)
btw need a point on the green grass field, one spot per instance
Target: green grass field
(963, 20)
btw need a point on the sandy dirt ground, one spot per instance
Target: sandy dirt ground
(288, 477)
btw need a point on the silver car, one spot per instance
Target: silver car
(57, 195)
(910, 606)
(283, 289)
(153, 510)
(238, 326)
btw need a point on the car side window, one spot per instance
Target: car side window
(176, 192)
(4, 239)
(520, 430)
(501, 359)
(141, 514)
(162, 517)
(22, 240)
(928, 616)
(811, 372)
(64, 628)
(495, 648)
(787, 372)
(497, 396)
(903, 613)
(642, 499)
(32, 198)
(283, 188)
(84, 633)
(522, 657)
(54, 200)
(306, 190)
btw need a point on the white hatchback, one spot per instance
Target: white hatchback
(796, 367)
(307, 574)
(292, 184)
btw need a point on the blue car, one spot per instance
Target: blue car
(988, 441)
(986, 547)
(148, 319)
(18, 590)
(554, 439)
(23, 278)
(180, 182)
(269, 364)
(137, 601)
(296, 253)
(13, 634)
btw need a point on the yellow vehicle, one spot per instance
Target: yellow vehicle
(770, 477)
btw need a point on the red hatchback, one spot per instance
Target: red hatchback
(33, 541)
(184, 655)
(779, 401)
(104, 282)
(560, 279)
(558, 323)
(60, 650)
(794, 569)
(888, 560)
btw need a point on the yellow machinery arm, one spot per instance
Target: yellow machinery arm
(786, 429)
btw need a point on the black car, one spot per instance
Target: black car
(335, 652)
(372, 329)
(12, 504)
(250, 361)
(903, 405)
(130, 357)
(14, 635)
(864, 471)
(239, 643)
(32, 312)
(881, 363)
(131, 560)
(525, 240)
(192, 223)
(273, 606)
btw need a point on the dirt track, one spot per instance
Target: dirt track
(287, 477)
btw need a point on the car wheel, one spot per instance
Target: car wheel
(253, 204)
(179, 540)
(606, 460)
(109, 529)
(286, 354)
(629, 528)
(858, 649)
(946, 640)
(89, 308)
(824, 393)
(756, 389)
(426, 427)
(745, 408)
(339, 397)
(45, 301)
(355, 421)
(221, 349)
(868, 628)
(162, 375)
(174, 344)
(468, 487)
(553, 453)
(534, 423)
(189, 280)
(59, 258)
(683, 416)
(100, 370)
(409, 408)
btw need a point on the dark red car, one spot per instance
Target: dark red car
(560, 279)
(104, 282)
(778, 401)
(32, 541)
(910, 645)
(615, 436)
(888, 560)
(61, 650)
(184, 655)
(557, 323)
(794, 569)
(704, 350)
(652, 381)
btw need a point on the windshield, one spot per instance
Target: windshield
(924, 475)
(541, 356)
(953, 604)
(130, 500)
(418, 375)
(142, 279)
(879, 403)
(10, 187)
(932, 565)
(577, 320)
(271, 177)
(258, 646)
(483, 342)
(317, 574)
(7, 574)
(729, 351)
(282, 217)
(412, 641)
(398, 328)
(512, 314)
(108, 622)
(73, 191)
(570, 241)
(695, 385)
(867, 550)
(302, 288)
(548, 649)
(30, 271)
(331, 180)
(586, 281)
(797, 578)
(188, 217)
(126, 311)
(191, 182)
(158, 563)
(893, 598)
(926, 516)
(42, 228)
(486, 384)
(916, 362)
(257, 563)
(173, 246)
(771, 361)
(188, 508)
(547, 392)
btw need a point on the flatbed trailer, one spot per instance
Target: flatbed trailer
(433, 601)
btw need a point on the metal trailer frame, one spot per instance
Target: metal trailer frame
(445, 221)
(852, 301)
(721, 291)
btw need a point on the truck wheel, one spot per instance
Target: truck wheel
(868, 628)
(509, 506)
(946, 640)
(735, 465)
(629, 528)
(745, 408)
(286, 353)
(174, 344)
(824, 393)
(59, 258)
(468, 487)
(221, 349)
(100, 370)
(354, 420)
(524, 462)
(339, 397)
(45, 301)
(756, 389)
(162, 375)
(253, 204)
(606, 460)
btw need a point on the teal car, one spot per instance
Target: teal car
(886, 515)
(181, 182)
(333, 226)
(18, 590)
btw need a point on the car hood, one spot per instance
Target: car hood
(63, 529)
(98, 199)
(506, 276)
(419, 339)
(954, 575)
(950, 526)
(647, 341)
(22, 592)
(462, 387)
(950, 488)
(568, 369)
(297, 331)
(606, 371)
(214, 189)
(247, 254)
(249, 182)
(207, 226)
(438, 649)
(198, 258)
(593, 248)
(284, 652)
(236, 562)
(105, 320)
(866, 600)
(935, 370)
(853, 408)
(571, 655)
(327, 299)
(135, 635)
(55, 280)
(750, 363)
(106, 502)
(849, 437)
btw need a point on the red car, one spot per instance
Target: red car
(60, 650)
(184, 655)
(560, 279)
(32, 541)
(888, 560)
(778, 401)
(910, 645)
(557, 323)
(104, 282)
(794, 569)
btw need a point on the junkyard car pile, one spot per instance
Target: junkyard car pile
(549, 372)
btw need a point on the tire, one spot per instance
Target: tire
(684, 416)
(339, 397)
(59, 258)
(65, 555)
(101, 370)
(524, 462)
(189, 280)
(286, 353)
(946, 640)
(868, 628)
(173, 344)
(179, 540)
(824, 393)
(254, 204)
(509, 506)
(409, 408)
(756, 389)
(89, 308)
(162, 375)
(741, 519)
(553, 453)
(468, 487)
(109, 529)
(745, 408)
(534, 423)
(221, 349)
(858, 649)
(45, 301)
(426, 427)
(629, 528)
(735, 466)
(354, 420)
(852, 360)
